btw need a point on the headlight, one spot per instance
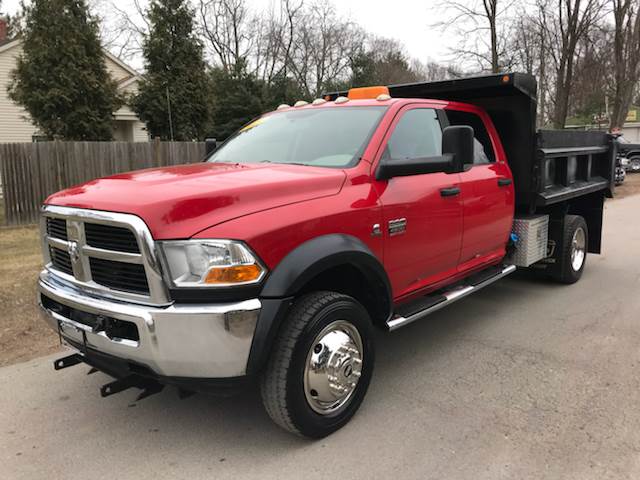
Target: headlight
(211, 263)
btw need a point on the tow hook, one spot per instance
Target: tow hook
(67, 362)
(147, 385)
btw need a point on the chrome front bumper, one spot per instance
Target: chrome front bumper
(197, 341)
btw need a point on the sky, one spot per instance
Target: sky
(409, 21)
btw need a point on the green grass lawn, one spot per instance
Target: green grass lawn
(23, 334)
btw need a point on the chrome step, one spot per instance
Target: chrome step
(456, 293)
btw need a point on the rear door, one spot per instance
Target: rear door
(487, 196)
(422, 214)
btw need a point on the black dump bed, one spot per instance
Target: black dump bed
(549, 166)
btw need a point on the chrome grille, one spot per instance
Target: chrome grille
(110, 254)
(61, 260)
(108, 237)
(127, 277)
(57, 228)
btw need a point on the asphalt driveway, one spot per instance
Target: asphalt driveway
(524, 380)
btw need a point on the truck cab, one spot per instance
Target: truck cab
(275, 258)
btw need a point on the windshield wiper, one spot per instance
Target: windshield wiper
(285, 163)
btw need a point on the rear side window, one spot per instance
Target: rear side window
(483, 149)
(418, 134)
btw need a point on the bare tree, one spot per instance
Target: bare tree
(482, 25)
(433, 71)
(322, 48)
(527, 47)
(564, 28)
(626, 57)
(296, 46)
(592, 80)
(276, 34)
(228, 30)
(122, 30)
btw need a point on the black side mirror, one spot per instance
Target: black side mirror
(457, 150)
(403, 167)
(210, 145)
(458, 142)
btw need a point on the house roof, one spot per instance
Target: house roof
(8, 43)
(117, 61)
(134, 74)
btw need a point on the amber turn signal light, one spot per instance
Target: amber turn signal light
(233, 274)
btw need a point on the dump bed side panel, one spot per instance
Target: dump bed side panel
(571, 164)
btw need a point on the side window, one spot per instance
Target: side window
(483, 149)
(418, 134)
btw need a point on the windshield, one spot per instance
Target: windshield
(323, 137)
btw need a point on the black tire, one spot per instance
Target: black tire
(568, 273)
(282, 383)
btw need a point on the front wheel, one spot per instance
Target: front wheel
(321, 365)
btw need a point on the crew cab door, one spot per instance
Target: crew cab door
(422, 214)
(487, 196)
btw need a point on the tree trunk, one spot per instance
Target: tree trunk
(542, 85)
(495, 65)
(626, 59)
(562, 96)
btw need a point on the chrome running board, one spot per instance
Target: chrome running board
(447, 298)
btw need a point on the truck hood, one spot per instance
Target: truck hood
(178, 202)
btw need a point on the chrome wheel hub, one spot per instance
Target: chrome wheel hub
(333, 367)
(578, 249)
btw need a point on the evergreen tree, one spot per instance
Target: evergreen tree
(238, 97)
(174, 94)
(61, 78)
(363, 68)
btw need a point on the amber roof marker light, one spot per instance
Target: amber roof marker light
(505, 79)
(366, 93)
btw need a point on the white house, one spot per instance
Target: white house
(15, 124)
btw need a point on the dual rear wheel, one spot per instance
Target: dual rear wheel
(573, 255)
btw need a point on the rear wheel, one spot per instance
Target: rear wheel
(574, 249)
(634, 164)
(321, 365)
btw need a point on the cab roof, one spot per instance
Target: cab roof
(510, 99)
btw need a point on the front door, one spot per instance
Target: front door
(422, 214)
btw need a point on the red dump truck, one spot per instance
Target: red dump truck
(275, 259)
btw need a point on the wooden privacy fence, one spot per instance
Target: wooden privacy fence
(30, 172)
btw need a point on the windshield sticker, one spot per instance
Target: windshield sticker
(253, 124)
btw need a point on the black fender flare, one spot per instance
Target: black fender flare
(320, 254)
(300, 266)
